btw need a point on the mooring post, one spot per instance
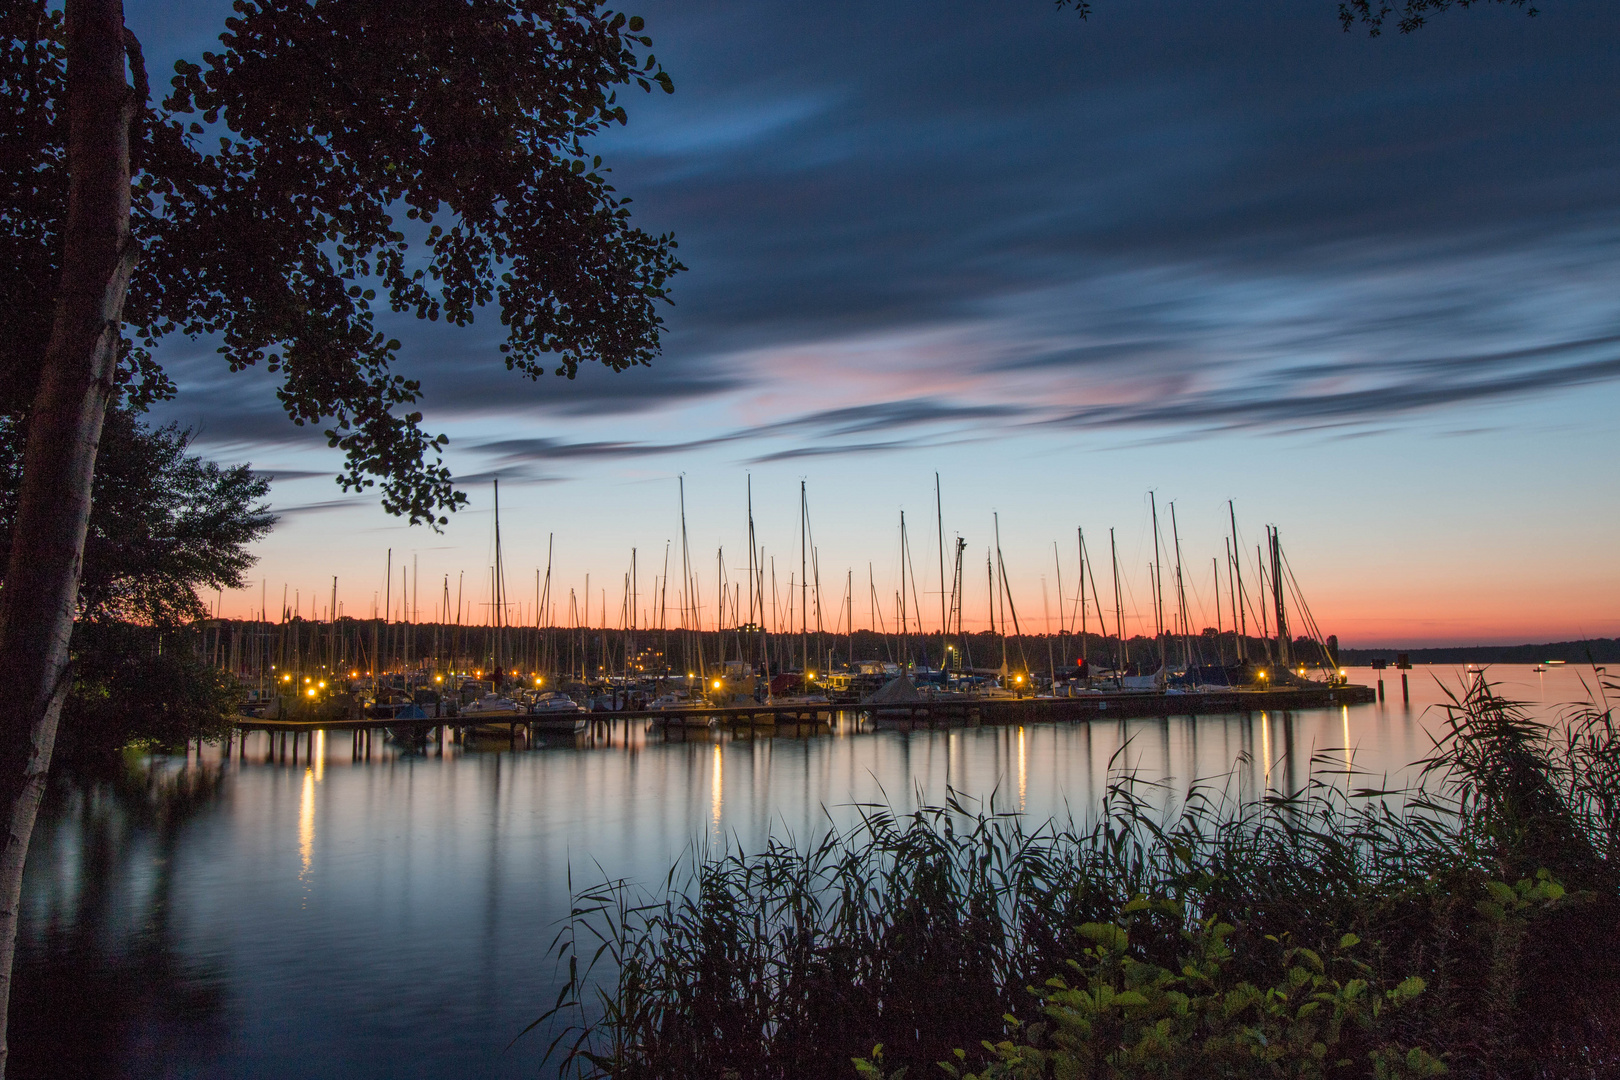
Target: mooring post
(1404, 663)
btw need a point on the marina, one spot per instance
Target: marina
(751, 667)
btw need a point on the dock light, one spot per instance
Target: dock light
(1019, 679)
(286, 678)
(438, 678)
(717, 684)
(1343, 673)
(478, 674)
(312, 691)
(538, 680)
(812, 674)
(306, 678)
(323, 684)
(1262, 674)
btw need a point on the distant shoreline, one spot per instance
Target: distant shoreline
(1592, 650)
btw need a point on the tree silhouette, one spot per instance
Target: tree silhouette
(257, 205)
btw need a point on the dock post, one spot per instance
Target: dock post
(1403, 662)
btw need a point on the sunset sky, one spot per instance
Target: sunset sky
(1367, 289)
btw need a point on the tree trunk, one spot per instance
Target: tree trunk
(42, 580)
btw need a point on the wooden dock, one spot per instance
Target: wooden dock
(937, 711)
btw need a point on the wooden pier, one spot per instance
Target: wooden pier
(936, 711)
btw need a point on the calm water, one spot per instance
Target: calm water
(390, 918)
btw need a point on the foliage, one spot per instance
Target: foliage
(1121, 1018)
(269, 179)
(163, 523)
(135, 687)
(922, 934)
(1414, 14)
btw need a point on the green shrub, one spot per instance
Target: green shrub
(137, 688)
(1113, 1017)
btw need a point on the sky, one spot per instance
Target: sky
(1368, 290)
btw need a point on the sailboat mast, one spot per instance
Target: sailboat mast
(1181, 594)
(1158, 582)
(1057, 564)
(1242, 628)
(1081, 543)
(804, 580)
(500, 590)
(1090, 572)
(1119, 604)
(905, 627)
(688, 593)
(388, 599)
(1001, 594)
(990, 576)
(1265, 625)
(1284, 653)
(547, 661)
(939, 521)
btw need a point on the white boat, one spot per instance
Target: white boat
(555, 703)
(492, 705)
(1154, 681)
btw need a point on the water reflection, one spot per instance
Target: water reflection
(1265, 745)
(105, 976)
(716, 789)
(193, 941)
(1347, 746)
(306, 824)
(1023, 771)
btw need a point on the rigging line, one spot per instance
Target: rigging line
(1305, 609)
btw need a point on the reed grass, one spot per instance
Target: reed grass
(1484, 898)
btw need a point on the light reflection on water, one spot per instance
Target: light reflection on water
(387, 914)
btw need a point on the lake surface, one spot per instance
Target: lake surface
(391, 917)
